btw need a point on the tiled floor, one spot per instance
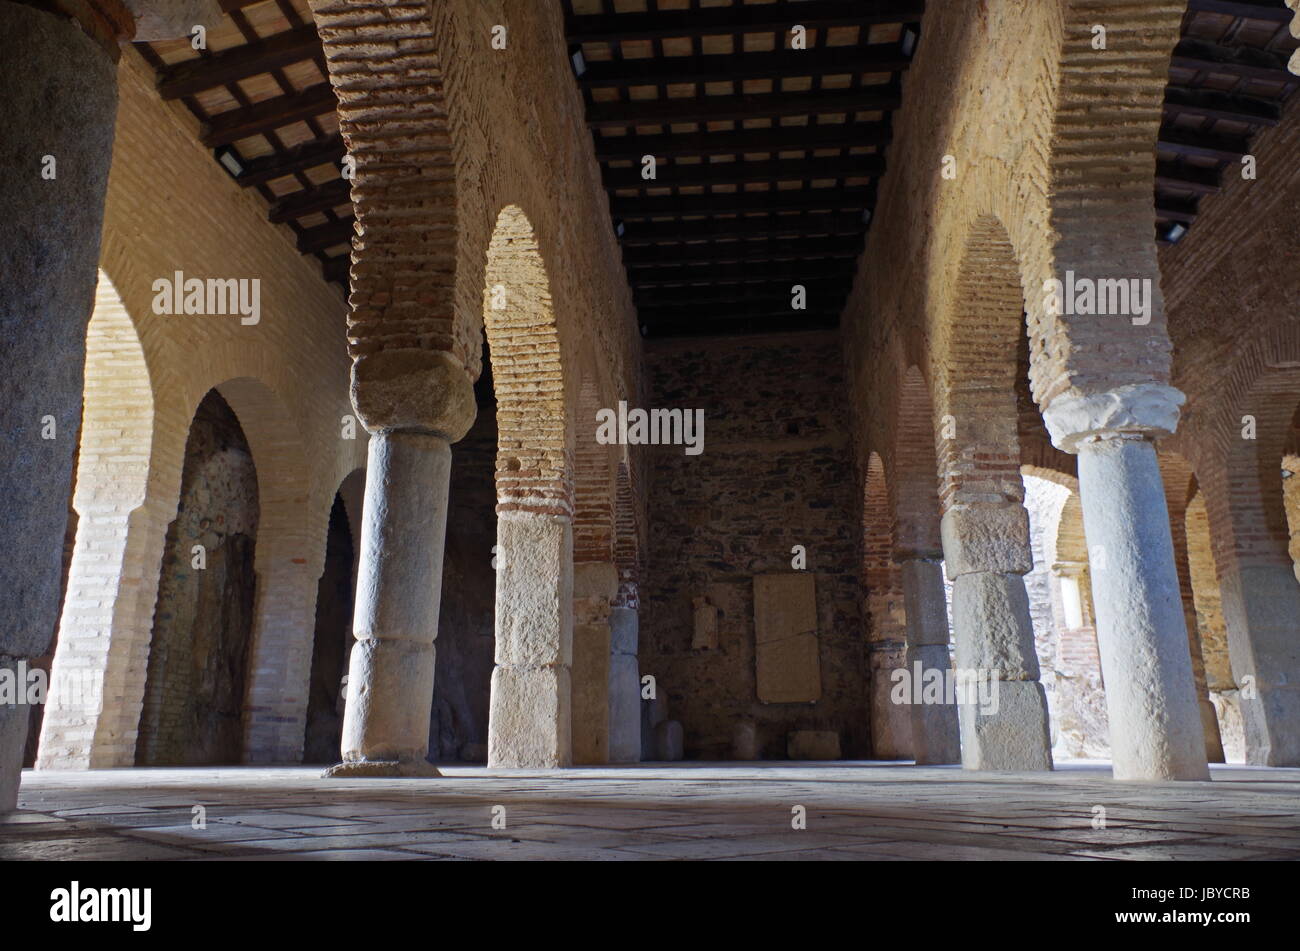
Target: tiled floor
(854, 811)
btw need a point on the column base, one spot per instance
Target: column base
(1015, 737)
(380, 769)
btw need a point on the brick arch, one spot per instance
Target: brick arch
(384, 63)
(593, 478)
(1245, 475)
(629, 535)
(288, 559)
(913, 468)
(1206, 596)
(974, 379)
(534, 439)
(114, 551)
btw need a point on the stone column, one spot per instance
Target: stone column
(624, 686)
(530, 721)
(390, 674)
(1155, 726)
(595, 584)
(986, 551)
(935, 731)
(59, 81)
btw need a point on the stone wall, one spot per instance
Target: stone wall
(203, 621)
(775, 472)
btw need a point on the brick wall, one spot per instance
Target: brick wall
(171, 208)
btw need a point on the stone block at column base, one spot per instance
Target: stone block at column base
(13, 743)
(1272, 724)
(891, 723)
(590, 678)
(624, 709)
(390, 694)
(530, 717)
(1210, 724)
(1013, 735)
(376, 769)
(936, 735)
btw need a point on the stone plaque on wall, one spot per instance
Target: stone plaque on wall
(785, 638)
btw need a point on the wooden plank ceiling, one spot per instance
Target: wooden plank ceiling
(265, 105)
(767, 156)
(1227, 82)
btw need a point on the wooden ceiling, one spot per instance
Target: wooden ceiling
(767, 156)
(1227, 81)
(260, 89)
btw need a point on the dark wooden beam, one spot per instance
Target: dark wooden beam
(309, 201)
(1243, 63)
(740, 18)
(1223, 148)
(235, 124)
(806, 199)
(735, 173)
(797, 272)
(730, 252)
(1266, 10)
(1211, 104)
(782, 138)
(1202, 181)
(326, 236)
(876, 58)
(1167, 209)
(267, 168)
(640, 233)
(229, 6)
(240, 62)
(755, 106)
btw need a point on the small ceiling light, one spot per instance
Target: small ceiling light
(618, 228)
(1175, 232)
(910, 36)
(230, 160)
(579, 62)
(866, 216)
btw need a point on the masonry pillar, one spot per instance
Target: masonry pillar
(58, 76)
(1209, 720)
(986, 551)
(935, 731)
(530, 720)
(1155, 725)
(624, 686)
(1261, 604)
(595, 585)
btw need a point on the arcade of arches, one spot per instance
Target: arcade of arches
(990, 330)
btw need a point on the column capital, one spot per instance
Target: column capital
(426, 391)
(1138, 410)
